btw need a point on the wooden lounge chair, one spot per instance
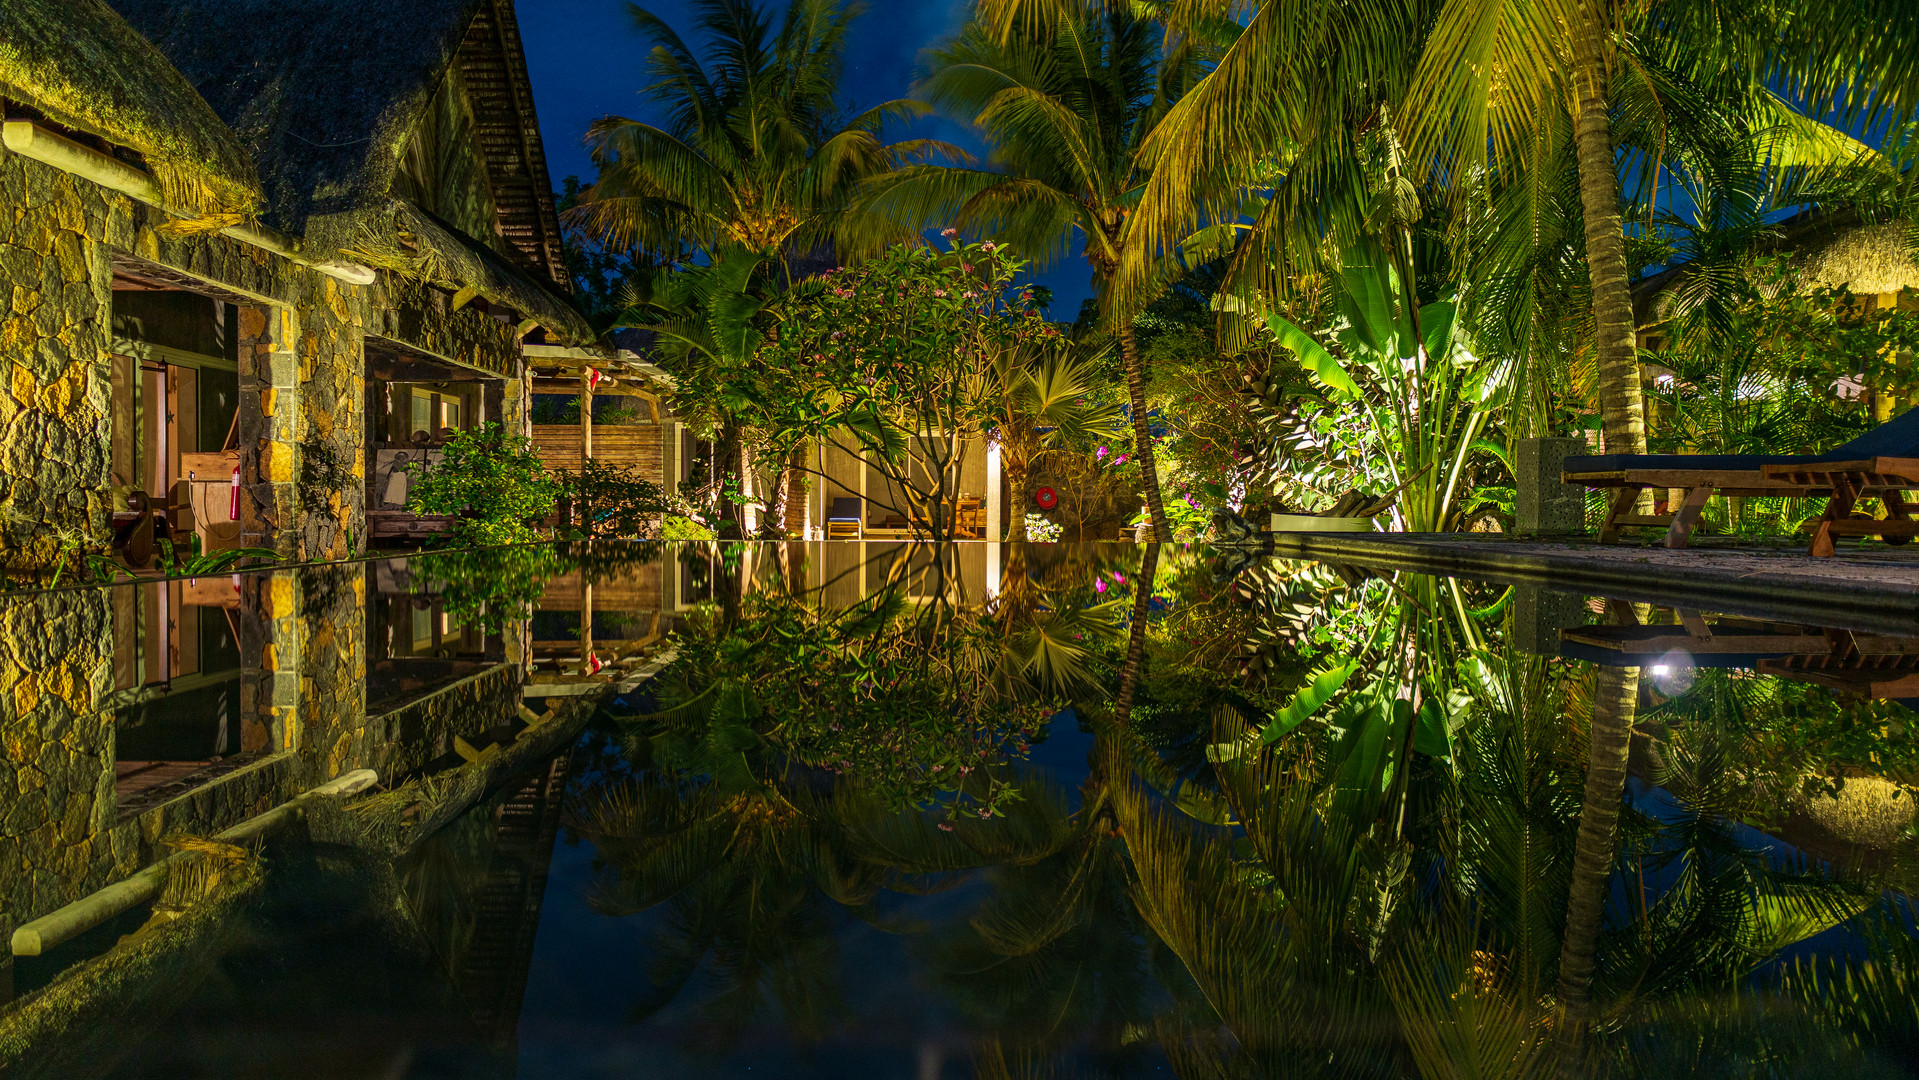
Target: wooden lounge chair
(844, 521)
(1860, 665)
(1884, 462)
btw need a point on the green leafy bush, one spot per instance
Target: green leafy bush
(493, 482)
(613, 502)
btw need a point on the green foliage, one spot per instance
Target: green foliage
(549, 409)
(1041, 529)
(754, 153)
(614, 502)
(173, 563)
(493, 482)
(680, 527)
(908, 711)
(1403, 398)
(1326, 682)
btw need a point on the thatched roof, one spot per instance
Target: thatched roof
(82, 66)
(410, 241)
(1826, 250)
(326, 93)
(1866, 258)
(322, 92)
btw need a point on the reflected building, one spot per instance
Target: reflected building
(135, 712)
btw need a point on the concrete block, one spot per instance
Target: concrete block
(1542, 505)
(1540, 614)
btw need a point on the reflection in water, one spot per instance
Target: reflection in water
(1312, 821)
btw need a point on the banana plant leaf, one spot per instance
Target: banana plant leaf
(1432, 733)
(1310, 699)
(1323, 366)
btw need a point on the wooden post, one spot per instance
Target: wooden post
(586, 620)
(586, 418)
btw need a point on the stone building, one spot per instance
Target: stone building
(296, 239)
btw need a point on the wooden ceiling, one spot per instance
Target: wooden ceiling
(501, 95)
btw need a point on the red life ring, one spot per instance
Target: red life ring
(1046, 498)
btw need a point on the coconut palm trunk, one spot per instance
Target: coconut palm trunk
(1136, 635)
(1016, 469)
(1615, 704)
(727, 466)
(1142, 433)
(792, 478)
(1622, 408)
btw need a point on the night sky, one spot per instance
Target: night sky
(585, 57)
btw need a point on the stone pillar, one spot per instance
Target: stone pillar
(334, 737)
(272, 648)
(269, 428)
(1540, 614)
(1543, 506)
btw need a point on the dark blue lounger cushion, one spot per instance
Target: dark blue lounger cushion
(1897, 437)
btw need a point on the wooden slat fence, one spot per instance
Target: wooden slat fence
(614, 444)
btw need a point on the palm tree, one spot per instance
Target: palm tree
(754, 158)
(1041, 400)
(1661, 68)
(1066, 108)
(754, 154)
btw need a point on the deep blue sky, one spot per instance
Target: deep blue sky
(585, 56)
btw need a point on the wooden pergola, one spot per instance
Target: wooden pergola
(553, 369)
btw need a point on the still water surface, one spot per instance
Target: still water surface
(816, 810)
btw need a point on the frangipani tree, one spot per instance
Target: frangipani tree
(1066, 107)
(899, 361)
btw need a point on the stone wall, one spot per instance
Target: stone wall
(55, 323)
(302, 642)
(302, 368)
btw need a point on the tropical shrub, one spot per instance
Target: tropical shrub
(1041, 529)
(494, 484)
(613, 502)
(890, 360)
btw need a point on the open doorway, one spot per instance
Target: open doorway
(178, 721)
(175, 386)
(415, 406)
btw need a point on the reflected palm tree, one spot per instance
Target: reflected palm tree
(751, 884)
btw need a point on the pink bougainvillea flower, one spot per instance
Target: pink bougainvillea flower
(949, 232)
(1099, 585)
(1118, 578)
(1120, 460)
(1100, 454)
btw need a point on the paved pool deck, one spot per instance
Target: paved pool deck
(1873, 588)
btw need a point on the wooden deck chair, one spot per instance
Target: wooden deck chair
(1884, 462)
(845, 521)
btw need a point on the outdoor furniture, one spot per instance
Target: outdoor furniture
(844, 520)
(971, 521)
(1863, 666)
(1884, 462)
